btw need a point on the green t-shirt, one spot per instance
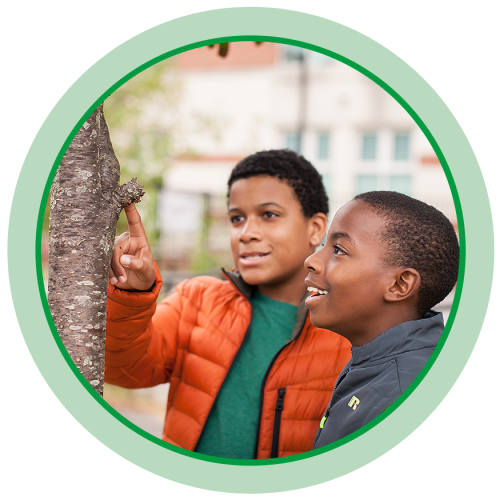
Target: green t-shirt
(231, 427)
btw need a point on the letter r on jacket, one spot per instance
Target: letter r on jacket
(353, 403)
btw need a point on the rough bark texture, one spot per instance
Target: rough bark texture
(86, 201)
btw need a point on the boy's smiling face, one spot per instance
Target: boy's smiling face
(271, 237)
(351, 269)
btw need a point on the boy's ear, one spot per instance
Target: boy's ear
(317, 228)
(405, 284)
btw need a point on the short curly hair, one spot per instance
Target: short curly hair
(421, 237)
(291, 168)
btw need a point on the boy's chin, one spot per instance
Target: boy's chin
(328, 326)
(320, 322)
(255, 277)
(316, 321)
(261, 277)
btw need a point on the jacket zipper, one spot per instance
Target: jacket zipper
(277, 422)
(327, 412)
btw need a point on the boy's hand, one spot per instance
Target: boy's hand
(132, 265)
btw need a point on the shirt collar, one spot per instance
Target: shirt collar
(409, 336)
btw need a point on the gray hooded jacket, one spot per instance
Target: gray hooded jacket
(377, 374)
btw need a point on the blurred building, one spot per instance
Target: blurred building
(279, 96)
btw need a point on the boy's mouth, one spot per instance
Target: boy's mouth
(316, 291)
(316, 296)
(252, 258)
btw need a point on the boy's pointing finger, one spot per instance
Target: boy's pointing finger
(135, 226)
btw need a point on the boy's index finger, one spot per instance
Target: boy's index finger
(135, 227)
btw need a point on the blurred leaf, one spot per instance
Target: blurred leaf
(223, 49)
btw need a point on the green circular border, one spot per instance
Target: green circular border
(471, 203)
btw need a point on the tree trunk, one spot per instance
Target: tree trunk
(86, 201)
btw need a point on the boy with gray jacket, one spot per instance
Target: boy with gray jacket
(388, 259)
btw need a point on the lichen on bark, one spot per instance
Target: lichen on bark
(86, 201)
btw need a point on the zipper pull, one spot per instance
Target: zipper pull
(323, 420)
(281, 397)
(277, 422)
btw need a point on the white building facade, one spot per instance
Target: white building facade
(277, 96)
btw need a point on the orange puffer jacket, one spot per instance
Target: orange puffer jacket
(191, 340)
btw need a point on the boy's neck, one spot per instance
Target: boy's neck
(291, 292)
(379, 325)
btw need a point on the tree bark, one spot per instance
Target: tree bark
(86, 201)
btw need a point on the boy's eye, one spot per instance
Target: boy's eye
(270, 215)
(235, 219)
(338, 251)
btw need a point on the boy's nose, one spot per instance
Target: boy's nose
(250, 231)
(313, 263)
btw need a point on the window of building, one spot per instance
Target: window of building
(366, 183)
(319, 59)
(400, 183)
(402, 147)
(323, 145)
(292, 53)
(369, 151)
(327, 182)
(293, 141)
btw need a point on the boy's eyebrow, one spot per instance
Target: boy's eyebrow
(236, 209)
(338, 234)
(270, 203)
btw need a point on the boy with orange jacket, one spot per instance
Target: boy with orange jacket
(249, 374)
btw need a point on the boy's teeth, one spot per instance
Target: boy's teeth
(316, 290)
(252, 257)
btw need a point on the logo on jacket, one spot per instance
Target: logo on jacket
(353, 403)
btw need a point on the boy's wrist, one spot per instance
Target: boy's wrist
(136, 297)
(150, 289)
(134, 290)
